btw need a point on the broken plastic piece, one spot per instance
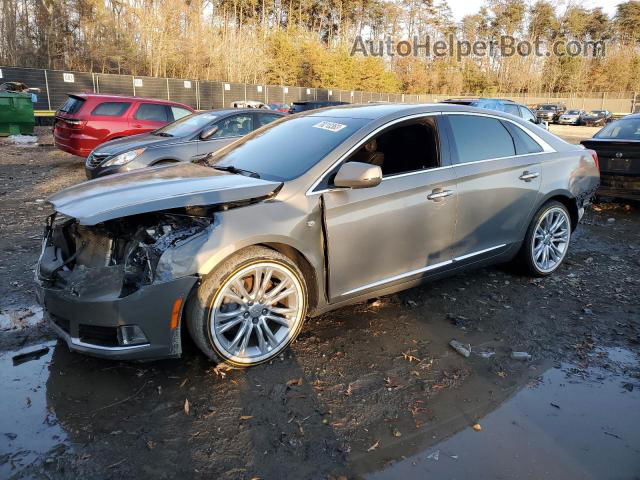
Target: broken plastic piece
(461, 348)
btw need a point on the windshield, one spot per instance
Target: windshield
(599, 113)
(547, 107)
(573, 112)
(189, 125)
(625, 129)
(287, 148)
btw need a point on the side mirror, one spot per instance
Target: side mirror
(358, 175)
(208, 133)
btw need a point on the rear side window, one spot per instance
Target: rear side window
(478, 138)
(179, 113)
(110, 109)
(152, 112)
(72, 105)
(522, 140)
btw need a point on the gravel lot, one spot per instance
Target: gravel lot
(363, 388)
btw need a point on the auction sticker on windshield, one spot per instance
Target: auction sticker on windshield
(331, 126)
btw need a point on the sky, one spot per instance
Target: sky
(460, 8)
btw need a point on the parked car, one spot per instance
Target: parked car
(597, 118)
(618, 147)
(550, 112)
(279, 107)
(572, 117)
(312, 212)
(187, 140)
(297, 107)
(500, 105)
(86, 120)
(248, 104)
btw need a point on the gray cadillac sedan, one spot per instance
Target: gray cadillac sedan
(312, 212)
(188, 139)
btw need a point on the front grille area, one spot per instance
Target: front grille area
(95, 159)
(95, 335)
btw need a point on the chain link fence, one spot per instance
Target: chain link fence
(55, 85)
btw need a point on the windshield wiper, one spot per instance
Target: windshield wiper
(240, 171)
(162, 134)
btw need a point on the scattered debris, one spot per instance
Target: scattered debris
(374, 446)
(461, 348)
(27, 357)
(555, 405)
(187, 407)
(628, 387)
(521, 356)
(477, 427)
(434, 456)
(245, 417)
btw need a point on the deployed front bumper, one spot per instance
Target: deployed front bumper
(90, 325)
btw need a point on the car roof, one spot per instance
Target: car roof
(126, 97)
(373, 111)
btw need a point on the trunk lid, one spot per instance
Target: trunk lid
(155, 189)
(618, 157)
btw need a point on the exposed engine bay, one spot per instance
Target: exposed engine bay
(117, 257)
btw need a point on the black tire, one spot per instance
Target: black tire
(199, 306)
(526, 255)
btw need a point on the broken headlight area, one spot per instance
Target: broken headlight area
(114, 258)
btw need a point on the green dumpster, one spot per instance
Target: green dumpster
(16, 114)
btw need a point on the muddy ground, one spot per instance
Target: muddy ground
(371, 389)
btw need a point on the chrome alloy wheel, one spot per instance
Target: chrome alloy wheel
(551, 239)
(256, 312)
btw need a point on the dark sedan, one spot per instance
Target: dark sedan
(187, 140)
(597, 118)
(618, 147)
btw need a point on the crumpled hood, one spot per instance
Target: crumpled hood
(153, 189)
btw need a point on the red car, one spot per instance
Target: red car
(86, 120)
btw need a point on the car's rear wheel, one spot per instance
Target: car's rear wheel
(249, 309)
(547, 241)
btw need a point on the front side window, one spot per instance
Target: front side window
(285, 150)
(235, 126)
(402, 148)
(110, 109)
(573, 112)
(152, 112)
(478, 138)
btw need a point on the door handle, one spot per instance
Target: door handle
(528, 176)
(436, 195)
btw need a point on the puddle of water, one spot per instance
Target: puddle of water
(27, 428)
(565, 427)
(19, 318)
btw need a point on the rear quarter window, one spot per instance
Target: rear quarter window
(477, 138)
(72, 105)
(110, 109)
(522, 140)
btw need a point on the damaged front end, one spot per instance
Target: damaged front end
(117, 257)
(121, 284)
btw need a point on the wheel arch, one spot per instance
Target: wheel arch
(303, 264)
(567, 200)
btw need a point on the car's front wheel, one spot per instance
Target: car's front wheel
(249, 309)
(547, 241)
